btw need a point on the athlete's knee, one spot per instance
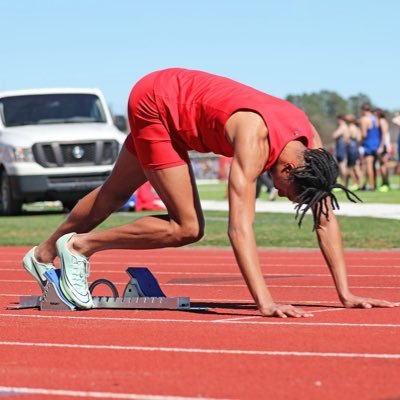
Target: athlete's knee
(189, 232)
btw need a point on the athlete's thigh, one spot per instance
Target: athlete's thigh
(369, 160)
(126, 176)
(177, 189)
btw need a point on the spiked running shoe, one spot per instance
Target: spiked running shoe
(36, 268)
(74, 274)
(384, 189)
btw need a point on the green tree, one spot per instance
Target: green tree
(322, 108)
(355, 102)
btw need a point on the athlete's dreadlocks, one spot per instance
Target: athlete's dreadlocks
(314, 182)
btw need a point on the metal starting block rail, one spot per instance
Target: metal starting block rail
(141, 292)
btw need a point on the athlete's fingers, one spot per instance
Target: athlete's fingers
(303, 313)
(364, 304)
(280, 314)
(368, 303)
(293, 313)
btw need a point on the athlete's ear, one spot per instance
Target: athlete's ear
(288, 167)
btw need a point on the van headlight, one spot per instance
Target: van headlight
(19, 154)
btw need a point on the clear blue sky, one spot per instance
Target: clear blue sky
(280, 47)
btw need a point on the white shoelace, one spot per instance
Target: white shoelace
(80, 273)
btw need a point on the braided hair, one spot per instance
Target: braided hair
(314, 182)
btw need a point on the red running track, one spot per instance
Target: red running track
(228, 352)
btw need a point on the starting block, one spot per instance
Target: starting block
(141, 292)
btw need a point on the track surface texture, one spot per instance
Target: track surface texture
(225, 352)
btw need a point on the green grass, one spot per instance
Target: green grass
(272, 230)
(218, 192)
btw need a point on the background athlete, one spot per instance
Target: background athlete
(372, 142)
(171, 112)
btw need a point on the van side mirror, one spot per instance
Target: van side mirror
(120, 123)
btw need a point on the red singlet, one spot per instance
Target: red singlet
(176, 110)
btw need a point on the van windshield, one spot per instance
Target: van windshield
(51, 109)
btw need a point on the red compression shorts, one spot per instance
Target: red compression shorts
(149, 139)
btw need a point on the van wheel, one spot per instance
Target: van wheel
(9, 205)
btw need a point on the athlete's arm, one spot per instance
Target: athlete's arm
(384, 127)
(364, 126)
(331, 245)
(248, 135)
(359, 136)
(396, 119)
(339, 132)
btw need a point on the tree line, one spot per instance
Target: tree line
(323, 107)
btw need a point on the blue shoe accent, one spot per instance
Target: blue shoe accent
(53, 276)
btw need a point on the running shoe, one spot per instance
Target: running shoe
(384, 189)
(36, 268)
(74, 274)
(272, 194)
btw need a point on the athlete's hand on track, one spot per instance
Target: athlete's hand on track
(283, 311)
(366, 302)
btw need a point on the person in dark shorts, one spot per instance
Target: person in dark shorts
(371, 141)
(340, 137)
(383, 149)
(353, 153)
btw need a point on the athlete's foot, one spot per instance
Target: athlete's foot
(74, 273)
(45, 253)
(273, 194)
(384, 189)
(36, 268)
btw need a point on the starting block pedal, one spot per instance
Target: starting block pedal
(141, 292)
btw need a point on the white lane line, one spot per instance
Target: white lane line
(229, 301)
(226, 274)
(94, 395)
(259, 316)
(327, 310)
(207, 284)
(276, 286)
(233, 266)
(315, 256)
(229, 275)
(261, 321)
(204, 264)
(300, 303)
(237, 318)
(294, 274)
(394, 356)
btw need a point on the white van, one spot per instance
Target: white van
(55, 144)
